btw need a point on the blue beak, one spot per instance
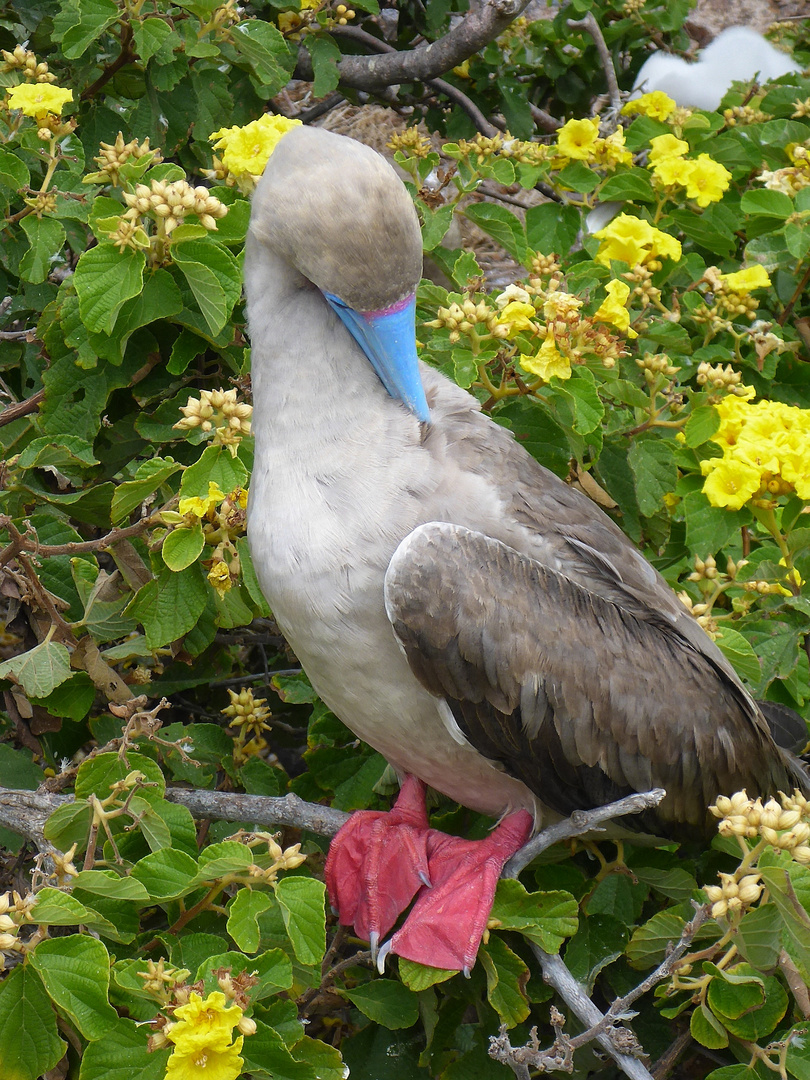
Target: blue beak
(388, 338)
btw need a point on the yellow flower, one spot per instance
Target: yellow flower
(246, 150)
(612, 309)
(730, 482)
(707, 180)
(207, 1063)
(517, 316)
(548, 361)
(611, 151)
(36, 99)
(634, 241)
(577, 139)
(743, 281)
(666, 146)
(200, 507)
(656, 104)
(203, 1023)
(220, 577)
(673, 170)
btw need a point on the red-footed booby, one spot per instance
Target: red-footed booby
(482, 625)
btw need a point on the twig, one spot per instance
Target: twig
(591, 26)
(581, 821)
(544, 120)
(21, 408)
(21, 543)
(482, 25)
(604, 1028)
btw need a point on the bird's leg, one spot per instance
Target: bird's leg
(378, 862)
(447, 922)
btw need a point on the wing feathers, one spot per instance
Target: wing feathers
(580, 698)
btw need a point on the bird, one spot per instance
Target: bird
(482, 624)
(738, 53)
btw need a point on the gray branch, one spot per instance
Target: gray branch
(580, 822)
(592, 27)
(482, 25)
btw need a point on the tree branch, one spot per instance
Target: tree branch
(581, 821)
(591, 26)
(21, 408)
(426, 62)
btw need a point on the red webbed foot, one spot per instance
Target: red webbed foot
(378, 862)
(448, 920)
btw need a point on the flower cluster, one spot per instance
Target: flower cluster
(114, 155)
(469, 317)
(15, 911)
(279, 859)
(250, 717)
(730, 295)
(636, 242)
(569, 337)
(24, 61)
(223, 519)
(579, 140)
(721, 378)
(201, 1034)
(766, 452)
(217, 411)
(411, 141)
(733, 894)
(246, 150)
(656, 104)
(705, 179)
(166, 203)
(527, 153)
(784, 825)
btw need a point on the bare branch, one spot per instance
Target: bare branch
(581, 821)
(591, 26)
(21, 408)
(477, 29)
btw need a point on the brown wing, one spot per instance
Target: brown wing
(581, 699)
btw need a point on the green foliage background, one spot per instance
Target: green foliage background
(100, 608)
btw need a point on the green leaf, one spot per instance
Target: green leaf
(419, 977)
(182, 546)
(160, 298)
(599, 941)
(47, 238)
(76, 973)
(55, 908)
(264, 47)
(108, 883)
(149, 477)
(273, 969)
(170, 606)
(94, 16)
(547, 918)
(386, 1002)
(766, 203)
(302, 906)
(756, 1020)
(123, 1054)
(650, 942)
(266, 1055)
(229, 857)
(435, 224)
(213, 275)
(68, 825)
(701, 425)
(325, 56)
(29, 1043)
(14, 174)
(507, 977)
(249, 579)
(105, 279)
(758, 937)
(738, 650)
(634, 185)
(166, 874)
(72, 699)
(502, 225)
(17, 770)
(581, 394)
(654, 473)
(676, 883)
(216, 465)
(40, 670)
(709, 528)
(244, 912)
(707, 1029)
(97, 775)
(150, 37)
(551, 228)
(578, 177)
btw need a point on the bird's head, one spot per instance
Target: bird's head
(336, 211)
